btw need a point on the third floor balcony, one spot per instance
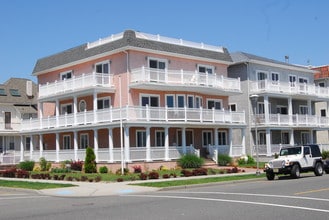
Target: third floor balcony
(180, 80)
(290, 89)
(76, 84)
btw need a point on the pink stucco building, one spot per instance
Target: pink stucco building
(137, 97)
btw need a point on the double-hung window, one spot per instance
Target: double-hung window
(141, 138)
(157, 63)
(214, 103)
(66, 75)
(103, 103)
(66, 109)
(103, 67)
(66, 142)
(84, 141)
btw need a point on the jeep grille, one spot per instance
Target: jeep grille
(278, 164)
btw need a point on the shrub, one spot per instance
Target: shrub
(90, 163)
(137, 169)
(44, 164)
(60, 170)
(186, 173)
(165, 176)
(143, 176)
(190, 161)
(120, 179)
(22, 174)
(27, 165)
(84, 178)
(325, 155)
(224, 159)
(200, 172)
(103, 169)
(98, 178)
(65, 164)
(76, 165)
(153, 175)
(125, 171)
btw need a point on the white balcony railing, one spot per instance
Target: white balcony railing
(289, 88)
(75, 83)
(135, 113)
(184, 78)
(292, 120)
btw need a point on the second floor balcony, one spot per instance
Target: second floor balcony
(295, 120)
(289, 88)
(138, 114)
(180, 80)
(76, 84)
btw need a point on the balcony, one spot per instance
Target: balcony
(287, 88)
(76, 84)
(292, 120)
(179, 80)
(139, 114)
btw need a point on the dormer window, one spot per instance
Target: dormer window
(205, 69)
(102, 67)
(66, 75)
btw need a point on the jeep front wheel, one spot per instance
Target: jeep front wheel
(295, 171)
(318, 171)
(270, 175)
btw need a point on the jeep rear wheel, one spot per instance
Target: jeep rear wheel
(295, 171)
(318, 171)
(270, 175)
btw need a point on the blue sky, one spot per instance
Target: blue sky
(33, 29)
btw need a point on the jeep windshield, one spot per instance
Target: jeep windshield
(290, 151)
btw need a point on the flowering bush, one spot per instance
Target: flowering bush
(137, 169)
(76, 165)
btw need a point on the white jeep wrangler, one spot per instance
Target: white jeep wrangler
(294, 160)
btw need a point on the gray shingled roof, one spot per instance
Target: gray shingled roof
(239, 57)
(129, 40)
(22, 99)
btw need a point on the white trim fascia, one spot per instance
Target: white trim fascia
(130, 48)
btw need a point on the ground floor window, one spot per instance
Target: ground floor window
(262, 138)
(141, 138)
(27, 143)
(305, 138)
(222, 138)
(159, 138)
(66, 142)
(84, 141)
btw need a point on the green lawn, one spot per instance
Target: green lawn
(188, 181)
(31, 185)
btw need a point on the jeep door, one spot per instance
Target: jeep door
(307, 160)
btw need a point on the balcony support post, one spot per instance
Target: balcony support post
(75, 145)
(57, 147)
(148, 145)
(111, 145)
(166, 130)
(96, 144)
(21, 149)
(41, 145)
(184, 140)
(31, 147)
(268, 142)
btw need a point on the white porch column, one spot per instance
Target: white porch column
(75, 145)
(230, 132)
(148, 145)
(75, 109)
(57, 147)
(95, 106)
(216, 137)
(111, 145)
(96, 144)
(57, 112)
(22, 149)
(40, 104)
(266, 109)
(290, 110)
(268, 142)
(291, 138)
(184, 140)
(166, 130)
(31, 147)
(309, 106)
(41, 144)
(126, 145)
(243, 141)
(311, 137)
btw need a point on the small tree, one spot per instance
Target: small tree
(90, 162)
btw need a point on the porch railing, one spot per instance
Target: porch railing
(76, 83)
(181, 77)
(134, 113)
(290, 88)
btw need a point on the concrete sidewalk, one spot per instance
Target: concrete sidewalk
(87, 189)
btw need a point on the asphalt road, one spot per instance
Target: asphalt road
(304, 198)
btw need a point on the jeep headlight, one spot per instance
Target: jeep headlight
(269, 164)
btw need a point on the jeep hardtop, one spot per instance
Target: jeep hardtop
(293, 160)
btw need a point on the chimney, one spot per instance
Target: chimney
(286, 57)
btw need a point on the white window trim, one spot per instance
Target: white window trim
(207, 67)
(101, 63)
(67, 136)
(105, 98)
(261, 71)
(200, 101)
(215, 100)
(65, 105)
(86, 135)
(141, 95)
(66, 72)
(156, 137)
(275, 81)
(180, 95)
(212, 138)
(158, 60)
(174, 100)
(137, 131)
(81, 102)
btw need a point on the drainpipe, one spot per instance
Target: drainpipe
(128, 74)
